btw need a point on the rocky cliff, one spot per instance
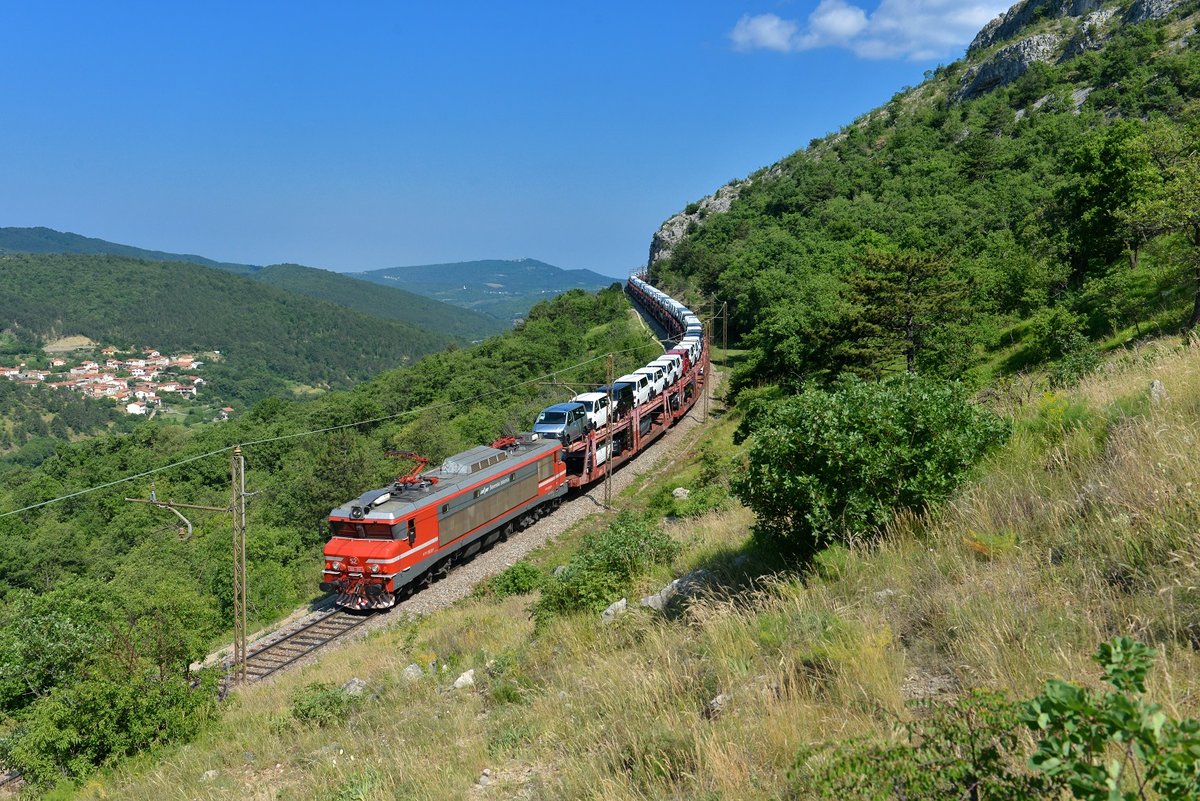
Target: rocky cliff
(1018, 19)
(676, 228)
(1083, 25)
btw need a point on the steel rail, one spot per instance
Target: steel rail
(279, 654)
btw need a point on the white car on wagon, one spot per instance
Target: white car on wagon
(657, 376)
(596, 404)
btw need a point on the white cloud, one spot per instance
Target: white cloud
(912, 29)
(836, 19)
(765, 31)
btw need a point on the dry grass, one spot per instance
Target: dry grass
(1083, 527)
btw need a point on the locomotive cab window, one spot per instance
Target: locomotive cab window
(412, 530)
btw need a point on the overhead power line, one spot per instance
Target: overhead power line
(309, 433)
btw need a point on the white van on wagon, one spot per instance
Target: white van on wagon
(658, 379)
(672, 366)
(693, 346)
(596, 405)
(640, 384)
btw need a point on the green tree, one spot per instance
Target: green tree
(43, 638)
(908, 307)
(1167, 195)
(105, 679)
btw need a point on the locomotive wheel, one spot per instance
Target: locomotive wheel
(506, 532)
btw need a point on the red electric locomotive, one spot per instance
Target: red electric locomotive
(424, 522)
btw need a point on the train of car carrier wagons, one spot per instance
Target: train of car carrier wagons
(389, 541)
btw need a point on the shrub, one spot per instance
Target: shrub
(604, 565)
(1053, 332)
(828, 465)
(1080, 358)
(519, 579)
(321, 703)
(961, 749)
(1115, 745)
(96, 721)
(1059, 415)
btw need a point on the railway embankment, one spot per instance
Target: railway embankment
(1079, 527)
(460, 582)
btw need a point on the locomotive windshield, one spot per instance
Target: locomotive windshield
(364, 531)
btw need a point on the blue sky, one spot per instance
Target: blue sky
(361, 135)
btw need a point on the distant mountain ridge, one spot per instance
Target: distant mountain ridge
(270, 339)
(492, 289)
(386, 302)
(47, 240)
(500, 287)
(393, 303)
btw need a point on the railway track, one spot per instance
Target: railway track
(278, 654)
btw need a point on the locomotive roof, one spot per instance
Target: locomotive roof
(456, 473)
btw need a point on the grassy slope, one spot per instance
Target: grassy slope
(1080, 528)
(384, 302)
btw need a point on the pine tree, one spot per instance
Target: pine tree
(909, 306)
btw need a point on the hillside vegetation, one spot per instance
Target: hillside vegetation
(47, 240)
(105, 606)
(972, 237)
(269, 339)
(33, 420)
(343, 290)
(1078, 528)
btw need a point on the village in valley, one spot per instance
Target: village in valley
(135, 380)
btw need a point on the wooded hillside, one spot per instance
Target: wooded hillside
(269, 339)
(387, 302)
(967, 238)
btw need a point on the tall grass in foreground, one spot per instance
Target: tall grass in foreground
(1082, 527)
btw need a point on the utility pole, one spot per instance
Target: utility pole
(725, 339)
(237, 509)
(708, 343)
(608, 457)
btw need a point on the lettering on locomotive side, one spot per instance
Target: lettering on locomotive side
(479, 493)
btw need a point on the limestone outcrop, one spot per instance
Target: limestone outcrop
(672, 232)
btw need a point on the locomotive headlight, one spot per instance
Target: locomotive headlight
(374, 568)
(337, 566)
